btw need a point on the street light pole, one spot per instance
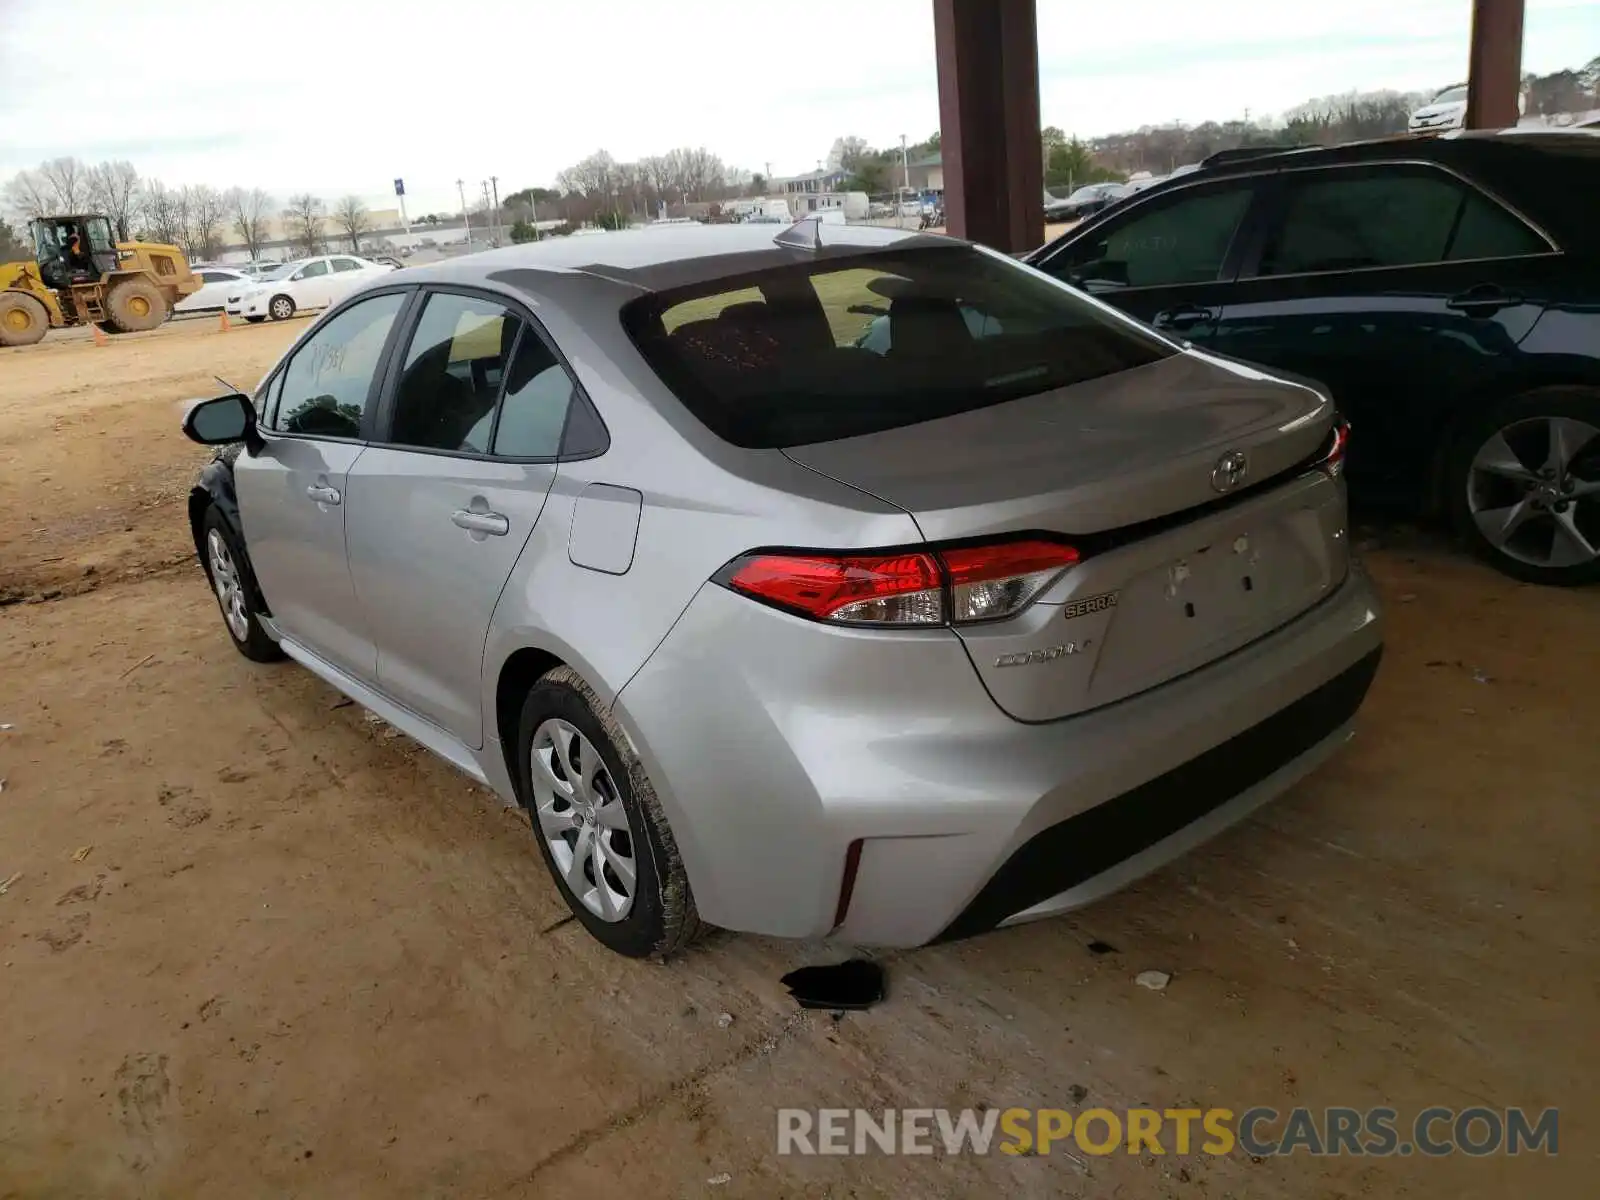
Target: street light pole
(461, 191)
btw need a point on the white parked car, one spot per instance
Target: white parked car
(216, 285)
(1447, 110)
(303, 285)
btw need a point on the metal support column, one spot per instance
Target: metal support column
(988, 58)
(1494, 64)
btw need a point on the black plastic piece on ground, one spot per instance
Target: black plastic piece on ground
(856, 984)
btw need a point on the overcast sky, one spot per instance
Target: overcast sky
(339, 96)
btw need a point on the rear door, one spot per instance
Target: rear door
(1167, 259)
(294, 492)
(1402, 287)
(470, 433)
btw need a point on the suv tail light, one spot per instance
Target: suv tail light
(1331, 457)
(959, 585)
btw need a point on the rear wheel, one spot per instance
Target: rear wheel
(134, 305)
(281, 308)
(1524, 486)
(23, 320)
(599, 824)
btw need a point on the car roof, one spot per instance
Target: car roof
(1517, 168)
(664, 256)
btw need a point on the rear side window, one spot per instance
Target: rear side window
(452, 374)
(1406, 216)
(1488, 231)
(840, 347)
(346, 264)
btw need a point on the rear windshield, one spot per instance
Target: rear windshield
(814, 352)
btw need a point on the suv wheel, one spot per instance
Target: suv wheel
(229, 573)
(599, 824)
(1524, 486)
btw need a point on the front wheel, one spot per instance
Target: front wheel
(1523, 484)
(23, 320)
(599, 824)
(281, 308)
(229, 572)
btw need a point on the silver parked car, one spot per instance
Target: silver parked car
(786, 621)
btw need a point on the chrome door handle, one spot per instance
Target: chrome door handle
(481, 522)
(323, 495)
(1184, 317)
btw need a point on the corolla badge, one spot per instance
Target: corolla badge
(1230, 471)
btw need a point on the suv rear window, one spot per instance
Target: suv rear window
(815, 352)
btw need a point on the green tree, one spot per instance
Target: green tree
(1071, 165)
(523, 231)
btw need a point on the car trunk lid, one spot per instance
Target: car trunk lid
(1176, 480)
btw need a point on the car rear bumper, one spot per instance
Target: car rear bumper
(774, 753)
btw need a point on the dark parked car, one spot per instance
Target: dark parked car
(1085, 202)
(1445, 291)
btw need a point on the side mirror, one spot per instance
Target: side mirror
(220, 421)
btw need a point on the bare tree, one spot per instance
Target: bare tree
(29, 193)
(205, 214)
(68, 179)
(304, 219)
(350, 214)
(114, 189)
(248, 210)
(163, 214)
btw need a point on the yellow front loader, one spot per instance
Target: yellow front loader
(81, 276)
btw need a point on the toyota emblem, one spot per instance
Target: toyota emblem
(1230, 471)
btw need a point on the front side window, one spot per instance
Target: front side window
(312, 270)
(452, 374)
(327, 382)
(1175, 240)
(835, 348)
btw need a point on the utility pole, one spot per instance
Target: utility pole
(484, 184)
(461, 191)
(494, 184)
(905, 162)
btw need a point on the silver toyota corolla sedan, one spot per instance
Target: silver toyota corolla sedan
(845, 583)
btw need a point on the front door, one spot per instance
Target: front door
(1401, 288)
(315, 285)
(444, 506)
(1167, 259)
(295, 491)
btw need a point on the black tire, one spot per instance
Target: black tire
(255, 320)
(280, 307)
(135, 305)
(1518, 420)
(23, 320)
(662, 920)
(254, 643)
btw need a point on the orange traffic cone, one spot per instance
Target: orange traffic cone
(225, 326)
(100, 338)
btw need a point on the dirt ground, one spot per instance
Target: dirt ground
(253, 945)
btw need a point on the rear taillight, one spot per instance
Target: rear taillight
(1331, 457)
(960, 585)
(988, 582)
